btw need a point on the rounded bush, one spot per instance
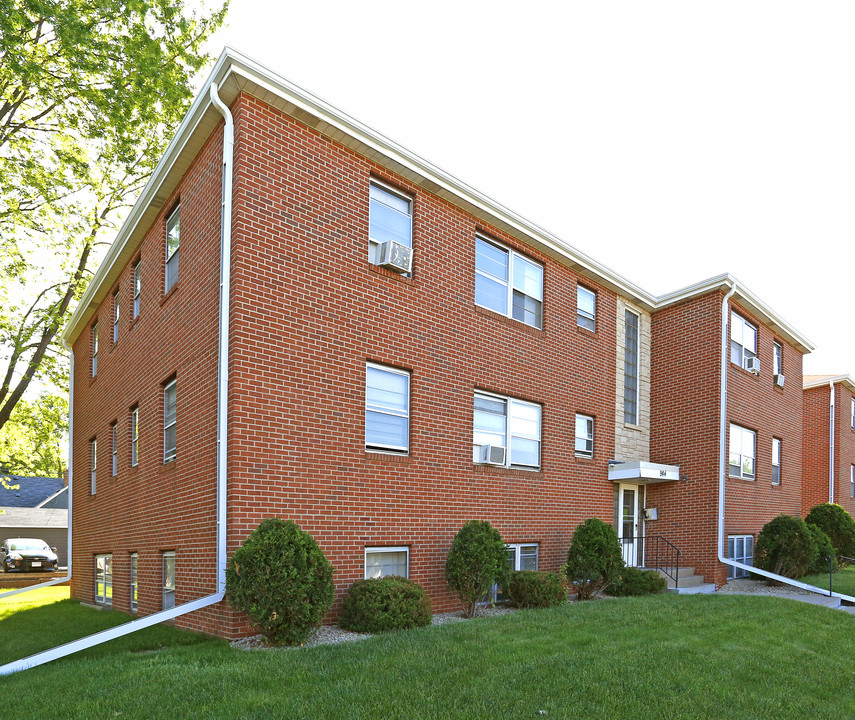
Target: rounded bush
(594, 558)
(824, 549)
(634, 581)
(387, 603)
(786, 547)
(838, 524)
(476, 561)
(282, 580)
(531, 589)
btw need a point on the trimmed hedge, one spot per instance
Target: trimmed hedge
(635, 581)
(282, 580)
(532, 589)
(387, 603)
(594, 558)
(786, 547)
(838, 524)
(476, 561)
(824, 549)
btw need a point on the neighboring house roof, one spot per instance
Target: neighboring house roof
(32, 491)
(57, 501)
(814, 381)
(16, 517)
(234, 73)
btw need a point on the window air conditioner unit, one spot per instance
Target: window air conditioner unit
(395, 256)
(492, 455)
(779, 380)
(752, 365)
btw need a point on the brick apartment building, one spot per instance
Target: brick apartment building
(403, 355)
(829, 432)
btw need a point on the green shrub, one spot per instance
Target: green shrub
(476, 561)
(594, 558)
(786, 547)
(838, 524)
(387, 603)
(282, 580)
(531, 589)
(824, 549)
(635, 581)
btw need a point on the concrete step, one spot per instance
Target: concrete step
(689, 583)
(700, 589)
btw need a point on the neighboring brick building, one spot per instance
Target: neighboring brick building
(380, 404)
(825, 481)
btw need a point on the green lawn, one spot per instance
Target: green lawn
(665, 656)
(843, 580)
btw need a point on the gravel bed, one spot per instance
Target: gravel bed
(748, 586)
(333, 634)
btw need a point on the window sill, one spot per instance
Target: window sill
(507, 471)
(512, 322)
(633, 426)
(169, 293)
(386, 456)
(406, 279)
(168, 468)
(742, 479)
(745, 372)
(585, 331)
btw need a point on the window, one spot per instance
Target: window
(777, 358)
(741, 549)
(137, 288)
(135, 436)
(93, 463)
(506, 423)
(522, 556)
(584, 436)
(586, 308)
(169, 421)
(630, 369)
(742, 444)
(383, 561)
(387, 409)
(853, 413)
(134, 582)
(743, 340)
(114, 433)
(508, 283)
(390, 218)
(116, 316)
(104, 579)
(852, 481)
(173, 231)
(776, 461)
(94, 349)
(168, 580)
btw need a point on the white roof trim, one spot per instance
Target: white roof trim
(824, 380)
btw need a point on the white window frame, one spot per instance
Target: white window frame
(94, 349)
(380, 550)
(170, 452)
(104, 598)
(745, 557)
(374, 244)
(116, 313)
(509, 404)
(631, 417)
(852, 481)
(509, 282)
(114, 432)
(740, 353)
(93, 464)
(585, 318)
(587, 438)
(853, 413)
(137, 289)
(135, 436)
(134, 565)
(172, 255)
(168, 591)
(776, 460)
(740, 433)
(516, 547)
(387, 410)
(777, 358)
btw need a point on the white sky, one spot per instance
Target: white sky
(672, 141)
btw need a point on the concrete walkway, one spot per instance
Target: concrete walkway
(746, 586)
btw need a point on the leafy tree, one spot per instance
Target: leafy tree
(476, 561)
(33, 440)
(594, 559)
(786, 546)
(90, 92)
(838, 524)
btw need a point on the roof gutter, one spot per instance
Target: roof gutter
(222, 424)
(722, 469)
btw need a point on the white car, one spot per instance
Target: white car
(27, 555)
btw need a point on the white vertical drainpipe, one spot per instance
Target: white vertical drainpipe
(831, 443)
(722, 469)
(222, 407)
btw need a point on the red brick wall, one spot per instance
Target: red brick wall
(844, 448)
(815, 448)
(685, 431)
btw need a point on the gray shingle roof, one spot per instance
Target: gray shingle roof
(31, 492)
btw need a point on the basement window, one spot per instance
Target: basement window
(741, 549)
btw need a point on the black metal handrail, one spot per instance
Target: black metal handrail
(654, 552)
(832, 563)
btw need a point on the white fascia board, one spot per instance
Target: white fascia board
(824, 380)
(644, 472)
(747, 299)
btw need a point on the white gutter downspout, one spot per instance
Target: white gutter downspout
(722, 471)
(831, 444)
(222, 398)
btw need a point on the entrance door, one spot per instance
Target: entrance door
(628, 524)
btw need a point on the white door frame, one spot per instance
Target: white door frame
(629, 532)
